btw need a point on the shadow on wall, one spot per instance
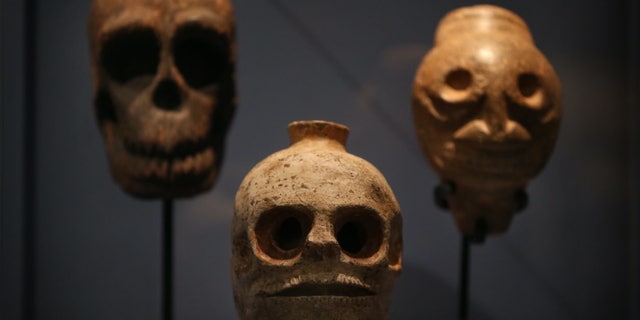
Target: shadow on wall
(436, 299)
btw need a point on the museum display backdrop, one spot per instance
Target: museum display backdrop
(97, 248)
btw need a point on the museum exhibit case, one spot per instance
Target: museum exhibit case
(95, 250)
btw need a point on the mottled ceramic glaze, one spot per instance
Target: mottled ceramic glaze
(486, 106)
(164, 91)
(317, 232)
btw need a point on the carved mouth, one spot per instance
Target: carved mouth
(184, 164)
(325, 289)
(177, 173)
(493, 158)
(504, 147)
(181, 150)
(343, 286)
(150, 171)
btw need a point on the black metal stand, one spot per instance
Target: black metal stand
(440, 194)
(463, 294)
(30, 231)
(167, 259)
(481, 229)
(478, 237)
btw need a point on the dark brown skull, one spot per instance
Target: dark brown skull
(164, 91)
(317, 233)
(486, 106)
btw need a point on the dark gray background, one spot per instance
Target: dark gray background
(573, 254)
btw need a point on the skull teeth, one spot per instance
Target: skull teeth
(325, 289)
(182, 150)
(342, 285)
(187, 163)
(194, 163)
(501, 160)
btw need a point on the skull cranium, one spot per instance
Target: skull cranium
(486, 107)
(316, 233)
(164, 91)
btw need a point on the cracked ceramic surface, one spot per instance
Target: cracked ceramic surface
(317, 232)
(164, 88)
(486, 106)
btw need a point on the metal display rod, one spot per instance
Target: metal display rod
(465, 265)
(167, 259)
(477, 237)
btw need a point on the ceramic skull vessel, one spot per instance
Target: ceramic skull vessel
(164, 91)
(317, 232)
(486, 106)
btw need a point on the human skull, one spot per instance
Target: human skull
(317, 232)
(486, 106)
(164, 91)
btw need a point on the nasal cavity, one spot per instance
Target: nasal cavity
(167, 95)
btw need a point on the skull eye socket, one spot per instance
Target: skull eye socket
(352, 237)
(201, 55)
(457, 87)
(528, 84)
(281, 231)
(530, 87)
(459, 79)
(359, 231)
(131, 53)
(288, 235)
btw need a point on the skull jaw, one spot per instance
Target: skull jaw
(488, 170)
(489, 210)
(485, 186)
(486, 179)
(312, 289)
(149, 177)
(311, 285)
(170, 188)
(373, 307)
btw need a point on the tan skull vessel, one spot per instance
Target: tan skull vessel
(164, 91)
(486, 106)
(317, 232)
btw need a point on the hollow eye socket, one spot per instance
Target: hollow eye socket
(457, 86)
(281, 232)
(131, 53)
(359, 231)
(530, 87)
(288, 235)
(459, 79)
(201, 55)
(528, 84)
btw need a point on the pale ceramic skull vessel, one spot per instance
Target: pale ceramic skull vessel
(164, 91)
(486, 106)
(317, 232)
